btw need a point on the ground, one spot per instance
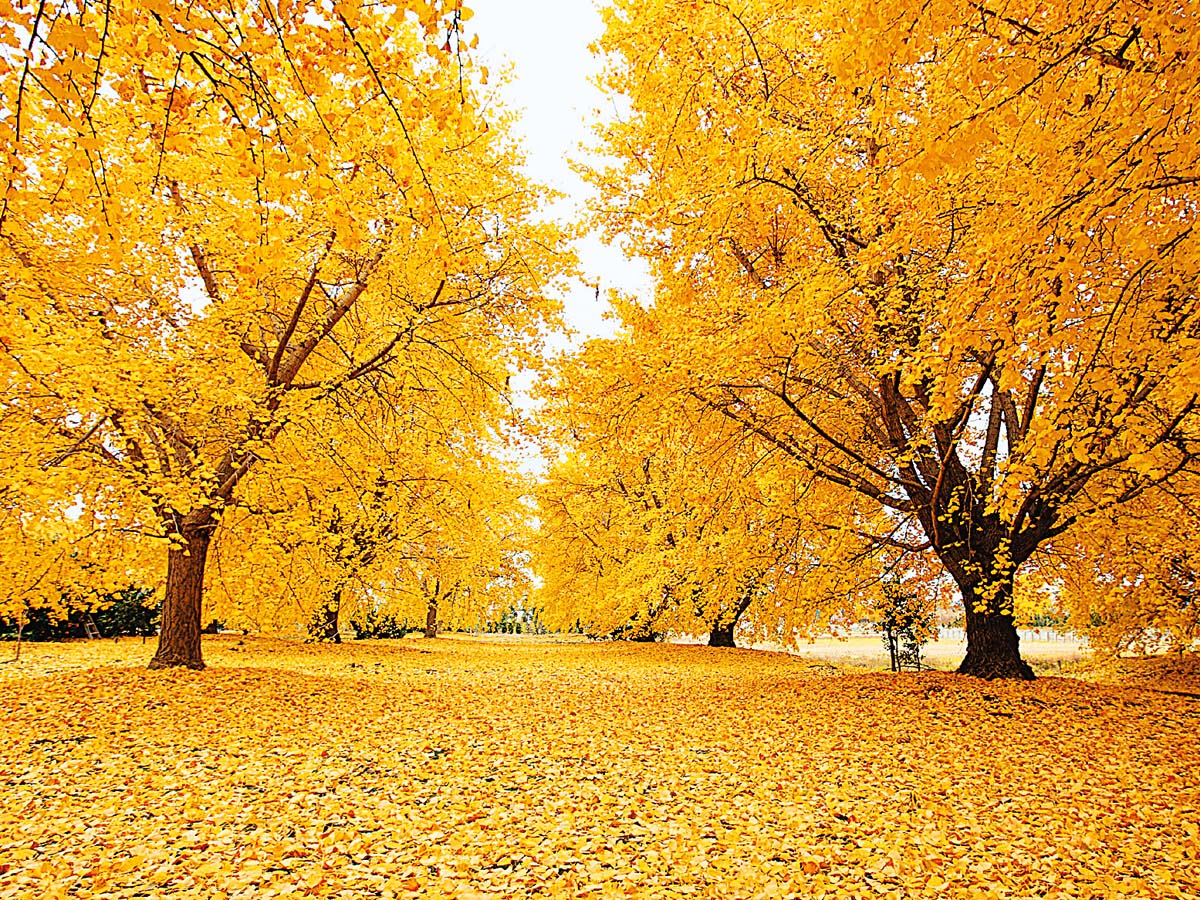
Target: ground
(466, 767)
(1047, 654)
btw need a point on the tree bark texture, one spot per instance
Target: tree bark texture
(722, 635)
(976, 559)
(986, 583)
(993, 645)
(722, 631)
(324, 625)
(179, 637)
(431, 613)
(993, 648)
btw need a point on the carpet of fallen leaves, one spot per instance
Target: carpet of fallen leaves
(1172, 673)
(472, 768)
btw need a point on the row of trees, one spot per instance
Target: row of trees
(656, 520)
(925, 299)
(267, 268)
(925, 313)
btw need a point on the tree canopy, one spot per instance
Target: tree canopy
(218, 220)
(939, 255)
(924, 311)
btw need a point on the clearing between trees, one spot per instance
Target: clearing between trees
(466, 767)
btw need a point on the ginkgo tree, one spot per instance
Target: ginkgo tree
(425, 538)
(358, 490)
(1132, 582)
(62, 555)
(217, 216)
(656, 519)
(939, 255)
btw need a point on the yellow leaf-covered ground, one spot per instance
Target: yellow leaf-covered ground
(510, 769)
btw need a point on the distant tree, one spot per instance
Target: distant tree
(656, 519)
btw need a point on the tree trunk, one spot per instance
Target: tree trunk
(20, 631)
(978, 566)
(993, 645)
(324, 625)
(431, 623)
(179, 637)
(722, 632)
(722, 635)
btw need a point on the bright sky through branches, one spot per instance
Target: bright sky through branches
(546, 43)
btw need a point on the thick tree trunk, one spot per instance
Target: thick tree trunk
(722, 632)
(179, 638)
(431, 611)
(993, 645)
(324, 625)
(975, 558)
(722, 635)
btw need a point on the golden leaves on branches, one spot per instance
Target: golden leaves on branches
(225, 222)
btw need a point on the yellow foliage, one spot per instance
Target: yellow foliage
(655, 519)
(373, 506)
(224, 223)
(1131, 582)
(940, 255)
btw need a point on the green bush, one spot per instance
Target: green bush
(380, 625)
(131, 612)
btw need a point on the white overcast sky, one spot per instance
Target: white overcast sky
(546, 43)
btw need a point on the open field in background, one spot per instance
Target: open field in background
(867, 651)
(1046, 654)
(522, 768)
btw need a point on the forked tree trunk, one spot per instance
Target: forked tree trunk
(324, 625)
(980, 558)
(179, 638)
(993, 645)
